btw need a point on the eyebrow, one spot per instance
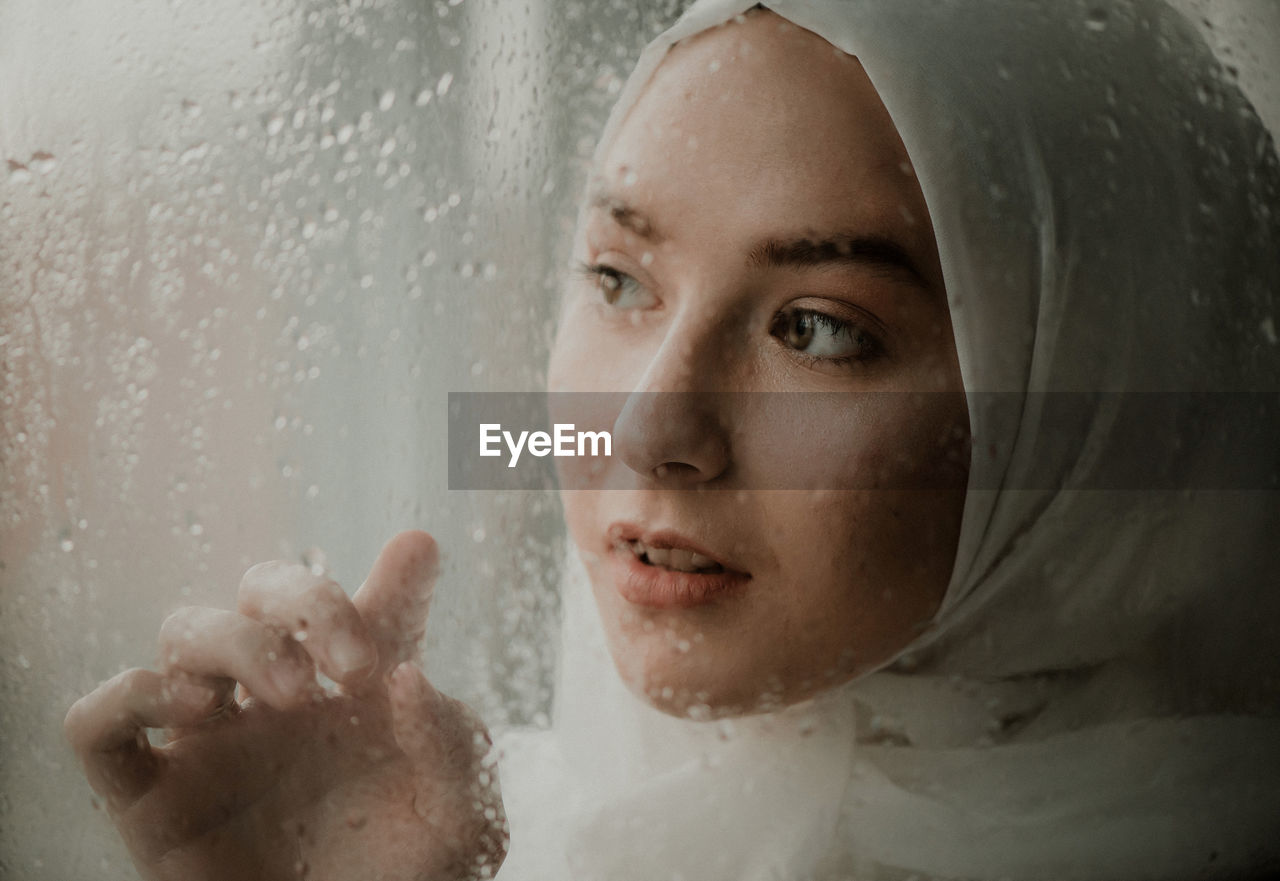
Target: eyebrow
(625, 215)
(872, 251)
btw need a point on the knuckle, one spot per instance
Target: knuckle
(271, 577)
(253, 642)
(178, 627)
(312, 594)
(264, 645)
(131, 682)
(280, 589)
(323, 600)
(266, 571)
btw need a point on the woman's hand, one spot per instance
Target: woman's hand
(385, 779)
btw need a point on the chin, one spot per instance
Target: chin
(701, 684)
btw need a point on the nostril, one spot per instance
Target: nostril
(672, 437)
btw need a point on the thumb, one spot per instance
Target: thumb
(415, 716)
(394, 599)
(442, 737)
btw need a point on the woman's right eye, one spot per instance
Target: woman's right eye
(616, 287)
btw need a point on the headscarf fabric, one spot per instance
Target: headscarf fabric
(1099, 694)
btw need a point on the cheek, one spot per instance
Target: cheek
(864, 571)
(579, 515)
(568, 355)
(854, 441)
(591, 354)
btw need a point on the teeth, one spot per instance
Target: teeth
(680, 559)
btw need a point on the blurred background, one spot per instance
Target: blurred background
(246, 250)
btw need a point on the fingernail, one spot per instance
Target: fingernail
(349, 654)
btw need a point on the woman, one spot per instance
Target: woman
(1034, 231)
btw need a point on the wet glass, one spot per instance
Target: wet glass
(246, 251)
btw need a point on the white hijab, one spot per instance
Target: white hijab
(1099, 696)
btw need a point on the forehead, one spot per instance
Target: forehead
(758, 118)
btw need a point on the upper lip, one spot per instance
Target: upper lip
(667, 538)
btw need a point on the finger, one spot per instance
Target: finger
(415, 707)
(106, 728)
(315, 611)
(395, 597)
(438, 734)
(216, 644)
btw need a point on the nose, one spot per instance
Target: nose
(672, 429)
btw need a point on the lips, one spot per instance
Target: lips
(665, 569)
(677, 558)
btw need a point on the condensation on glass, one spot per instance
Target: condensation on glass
(246, 250)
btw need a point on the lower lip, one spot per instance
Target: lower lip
(657, 588)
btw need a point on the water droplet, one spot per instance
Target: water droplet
(442, 87)
(43, 163)
(67, 545)
(1096, 19)
(1268, 328)
(18, 173)
(315, 560)
(387, 99)
(194, 153)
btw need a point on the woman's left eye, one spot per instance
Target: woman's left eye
(823, 337)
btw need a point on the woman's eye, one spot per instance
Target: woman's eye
(823, 337)
(616, 287)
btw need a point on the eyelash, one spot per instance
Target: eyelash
(601, 276)
(605, 279)
(869, 345)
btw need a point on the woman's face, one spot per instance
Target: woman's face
(756, 227)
